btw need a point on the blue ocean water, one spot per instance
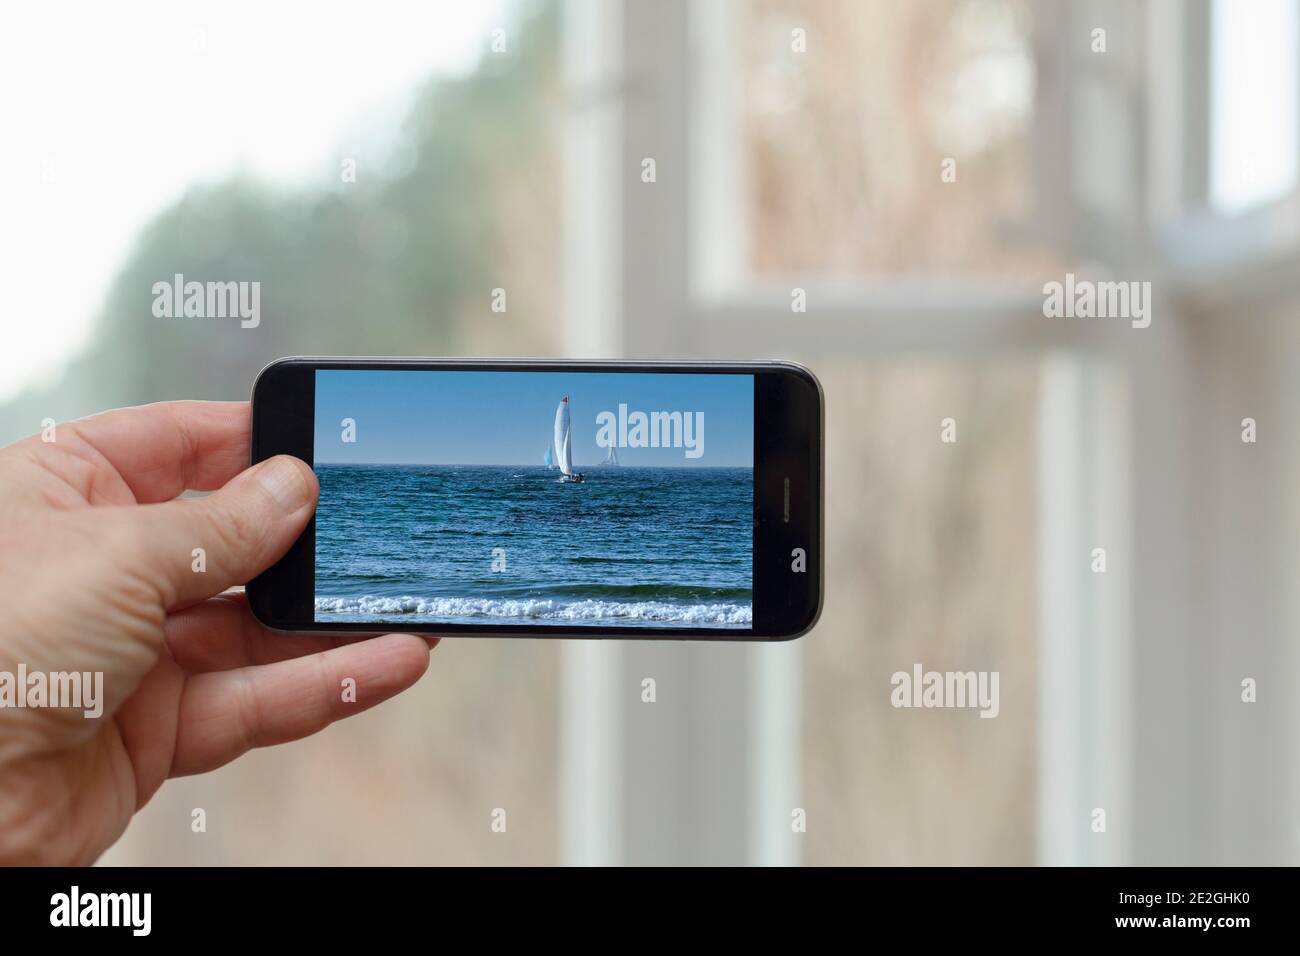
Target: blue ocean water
(633, 547)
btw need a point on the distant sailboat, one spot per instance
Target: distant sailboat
(611, 456)
(547, 460)
(564, 443)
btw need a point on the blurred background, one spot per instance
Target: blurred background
(914, 172)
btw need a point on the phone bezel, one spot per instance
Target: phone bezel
(786, 604)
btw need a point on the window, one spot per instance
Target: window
(932, 560)
(379, 182)
(852, 110)
(1253, 103)
(1091, 547)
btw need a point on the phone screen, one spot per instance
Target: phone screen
(534, 498)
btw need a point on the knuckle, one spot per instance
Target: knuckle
(304, 482)
(236, 530)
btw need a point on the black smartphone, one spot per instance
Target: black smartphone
(548, 498)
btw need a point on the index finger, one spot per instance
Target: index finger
(163, 449)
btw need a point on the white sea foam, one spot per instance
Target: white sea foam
(579, 612)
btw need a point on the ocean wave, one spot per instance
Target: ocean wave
(578, 612)
(641, 592)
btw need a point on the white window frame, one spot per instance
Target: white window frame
(1203, 247)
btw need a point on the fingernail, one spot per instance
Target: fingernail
(284, 480)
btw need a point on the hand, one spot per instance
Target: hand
(97, 574)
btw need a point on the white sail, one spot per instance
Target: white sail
(563, 453)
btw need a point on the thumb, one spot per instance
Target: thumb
(193, 548)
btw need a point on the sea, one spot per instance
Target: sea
(467, 544)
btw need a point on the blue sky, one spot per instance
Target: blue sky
(508, 418)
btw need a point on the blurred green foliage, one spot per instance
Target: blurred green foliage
(395, 263)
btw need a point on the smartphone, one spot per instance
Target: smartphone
(548, 498)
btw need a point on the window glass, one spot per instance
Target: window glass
(379, 184)
(887, 137)
(931, 556)
(1253, 113)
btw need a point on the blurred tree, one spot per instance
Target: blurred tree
(401, 261)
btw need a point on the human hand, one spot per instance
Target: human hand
(98, 575)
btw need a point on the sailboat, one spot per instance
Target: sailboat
(564, 443)
(547, 460)
(611, 456)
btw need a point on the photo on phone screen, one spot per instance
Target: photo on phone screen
(534, 498)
